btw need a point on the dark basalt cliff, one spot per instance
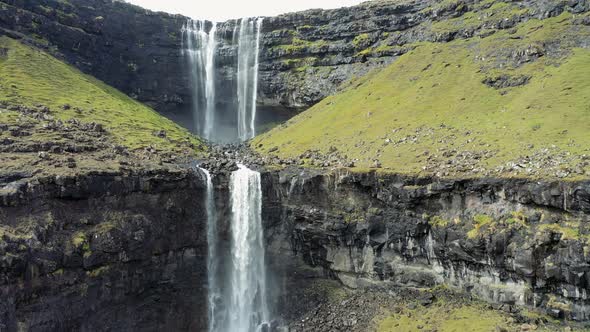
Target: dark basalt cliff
(103, 252)
(127, 250)
(305, 56)
(507, 241)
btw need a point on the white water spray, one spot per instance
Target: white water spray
(248, 306)
(200, 48)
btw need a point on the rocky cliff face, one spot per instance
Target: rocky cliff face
(305, 56)
(128, 251)
(103, 252)
(507, 241)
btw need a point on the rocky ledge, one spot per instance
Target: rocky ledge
(127, 249)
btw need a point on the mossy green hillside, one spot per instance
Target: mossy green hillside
(30, 77)
(434, 100)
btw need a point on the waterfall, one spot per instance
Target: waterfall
(247, 306)
(247, 76)
(199, 46)
(214, 295)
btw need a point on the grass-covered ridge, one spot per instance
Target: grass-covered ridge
(516, 102)
(31, 77)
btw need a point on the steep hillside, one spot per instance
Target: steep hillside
(508, 102)
(51, 112)
(126, 46)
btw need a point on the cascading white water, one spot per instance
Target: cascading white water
(199, 45)
(247, 76)
(214, 296)
(247, 306)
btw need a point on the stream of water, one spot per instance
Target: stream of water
(248, 307)
(199, 45)
(237, 297)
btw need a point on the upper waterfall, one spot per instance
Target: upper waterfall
(200, 42)
(199, 47)
(248, 53)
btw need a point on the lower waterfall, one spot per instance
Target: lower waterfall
(248, 307)
(237, 293)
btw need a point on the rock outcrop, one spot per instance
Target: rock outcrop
(128, 251)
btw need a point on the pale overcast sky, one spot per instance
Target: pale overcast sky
(222, 10)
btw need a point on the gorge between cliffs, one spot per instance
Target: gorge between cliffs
(394, 166)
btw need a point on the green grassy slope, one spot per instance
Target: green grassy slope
(431, 111)
(450, 317)
(30, 77)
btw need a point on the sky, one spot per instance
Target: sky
(222, 10)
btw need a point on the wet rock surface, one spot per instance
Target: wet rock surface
(223, 158)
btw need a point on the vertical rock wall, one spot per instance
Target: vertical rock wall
(103, 252)
(506, 241)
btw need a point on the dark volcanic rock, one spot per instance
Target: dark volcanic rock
(503, 240)
(506, 81)
(128, 47)
(103, 252)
